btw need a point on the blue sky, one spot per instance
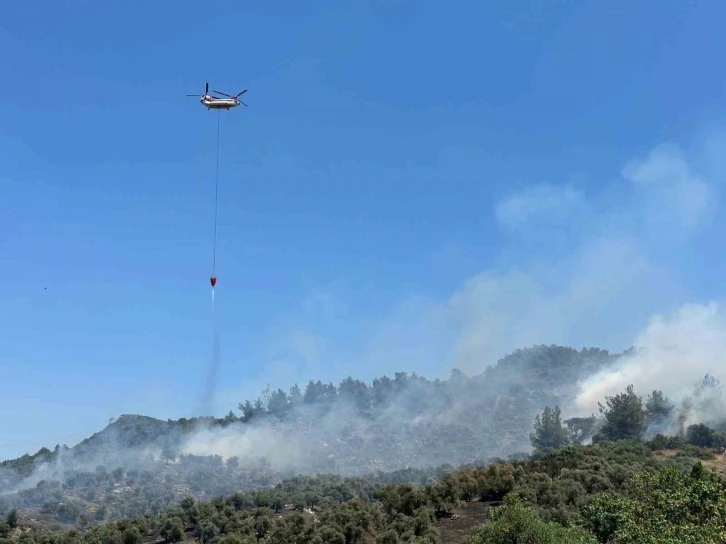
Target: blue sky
(416, 185)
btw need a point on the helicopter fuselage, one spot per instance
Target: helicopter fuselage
(219, 103)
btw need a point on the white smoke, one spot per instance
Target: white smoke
(246, 442)
(673, 354)
(617, 270)
(606, 261)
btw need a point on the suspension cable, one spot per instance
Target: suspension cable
(216, 194)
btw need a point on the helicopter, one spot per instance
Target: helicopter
(217, 102)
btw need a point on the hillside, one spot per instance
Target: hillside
(571, 495)
(140, 468)
(502, 400)
(352, 429)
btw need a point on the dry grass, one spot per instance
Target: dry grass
(718, 464)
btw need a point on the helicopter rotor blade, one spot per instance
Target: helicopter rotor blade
(225, 94)
(206, 89)
(240, 94)
(243, 103)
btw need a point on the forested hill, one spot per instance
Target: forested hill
(170, 477)
(352, 428)
(564, 493)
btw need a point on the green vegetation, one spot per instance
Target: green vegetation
(628, 485)
(606, 492)
(515, 522)
(138, 464)
(663, 507)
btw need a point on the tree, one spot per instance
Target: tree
(248, 410)
(658, 410)
(260, 408)
(700, 435)
(331, 535)
(295, 396)
(548, 431)
(233, 463)
(624, 416)
(329, 392)
(356, 392)
(100, 513)
(12, 518)
(168, 453)
(317, 392)
(444, 495)
(172, 530)
(207, 531)
(382, 390)
(581, 428)
(232, 538)
(515, 522)
(278, 403)
(456, 376)
(709, 382)
(663, 506)
(313, 392)
(118, 474)
(131, 535)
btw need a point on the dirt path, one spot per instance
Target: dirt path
(457, 529)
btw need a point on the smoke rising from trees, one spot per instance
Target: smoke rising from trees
(611, 283)
(673, 355)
